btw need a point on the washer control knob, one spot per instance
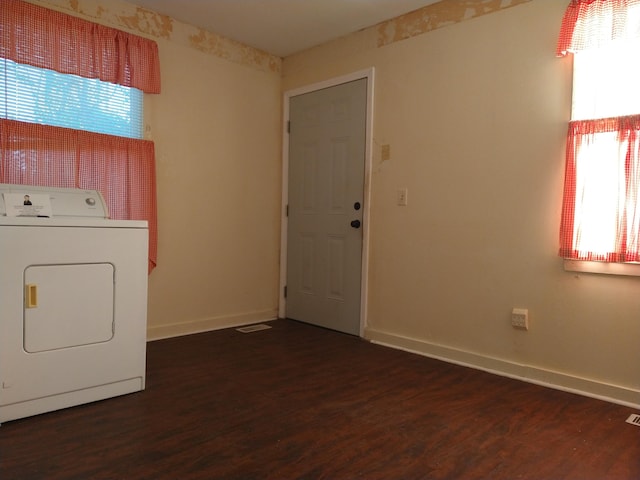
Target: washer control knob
(91, 201)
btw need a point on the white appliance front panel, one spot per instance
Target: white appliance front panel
(72, 305)
(32, 383)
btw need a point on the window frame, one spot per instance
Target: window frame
(605, 268)
(587, 266)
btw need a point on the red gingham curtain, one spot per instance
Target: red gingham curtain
(33, 154)
(595, 23)
(44, 38)
(621, 139)
(122, 169)
(601, 148)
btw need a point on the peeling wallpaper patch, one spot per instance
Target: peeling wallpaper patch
(438, 15)
(232, 50)
(149, 23)
(126, 16)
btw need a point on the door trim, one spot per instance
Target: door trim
(369, 75)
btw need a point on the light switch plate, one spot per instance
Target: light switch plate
(402, 197)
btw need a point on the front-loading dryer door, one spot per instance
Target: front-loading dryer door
(68, 306)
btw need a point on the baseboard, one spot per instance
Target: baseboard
(216, 323)
(527, 373)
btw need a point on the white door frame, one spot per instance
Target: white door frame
(369, 75)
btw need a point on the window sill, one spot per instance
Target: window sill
(630, 269)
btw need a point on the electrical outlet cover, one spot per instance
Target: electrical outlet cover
(520, 318)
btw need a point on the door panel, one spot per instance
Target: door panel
(326, 179)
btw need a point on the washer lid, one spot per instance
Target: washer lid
(51, 202)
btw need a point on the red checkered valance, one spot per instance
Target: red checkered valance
(45, 38)
(595, 23)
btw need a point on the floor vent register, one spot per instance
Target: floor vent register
(634, 419)
(253, 328)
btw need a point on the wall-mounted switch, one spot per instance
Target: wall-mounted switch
(385, 152)
(402, 197)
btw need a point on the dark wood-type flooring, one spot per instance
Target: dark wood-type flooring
(300, 402)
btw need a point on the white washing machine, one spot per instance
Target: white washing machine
(73, 301)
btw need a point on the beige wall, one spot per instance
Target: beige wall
(475, 109)
(216, 127)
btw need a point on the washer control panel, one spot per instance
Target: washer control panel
(65, 202)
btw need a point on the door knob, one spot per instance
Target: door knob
(355, 223)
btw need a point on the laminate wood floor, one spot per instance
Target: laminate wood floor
(300, 402)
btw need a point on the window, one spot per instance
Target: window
(605, 82)
(71, 109)
(600, 229)
(37, 95)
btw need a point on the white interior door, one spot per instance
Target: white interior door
(327, 144)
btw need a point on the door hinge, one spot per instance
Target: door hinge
(287, 210)
(285, 291)
(288, 126)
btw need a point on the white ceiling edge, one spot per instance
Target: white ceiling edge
(282, 27)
